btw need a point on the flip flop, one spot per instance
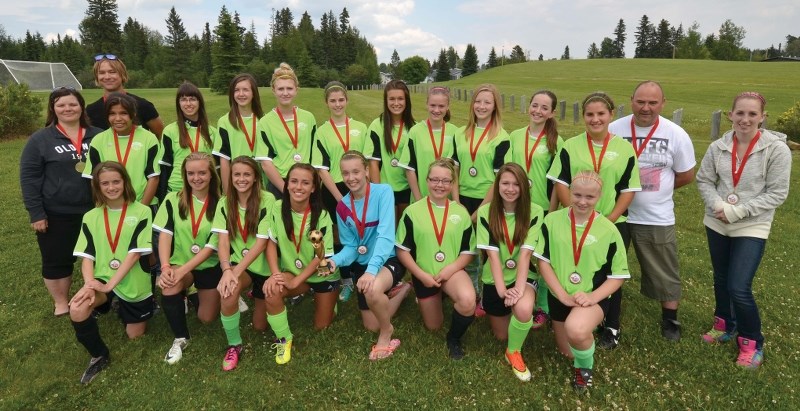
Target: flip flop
(379, 353)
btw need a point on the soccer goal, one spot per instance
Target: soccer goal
(37, 75)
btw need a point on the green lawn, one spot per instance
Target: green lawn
(43, 362)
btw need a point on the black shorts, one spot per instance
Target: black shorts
(422, 291)
(258, 284)
(330, 201)
(323, 287)
(494, 305)
(57, 243)
(402, 196)
(394, 267)
(207, 278)
(559, 312)
(129, 313)
(471, 204)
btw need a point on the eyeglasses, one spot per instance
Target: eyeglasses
(105, 56)
(188, 99)
(442, 181)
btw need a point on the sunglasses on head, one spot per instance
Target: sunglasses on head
(105, 56)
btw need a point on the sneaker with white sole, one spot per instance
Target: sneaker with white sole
(749, 356)
(346, 292)
(231, 359)
(518, 365)
(96, 365)
(242, 305)
(176, 351)
(283, 351)
(609, 339)
(718, 333)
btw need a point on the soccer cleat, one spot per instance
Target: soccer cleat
(539, 319)
(518, 365)
(296, 299)
(454, 350)
(96, 365)
(609, 339)
(231, 359)
(176, 351)
(718, 333)
(346, 293)
(582, 379)
(671, 330)
(242, 305)
(749, 356)
(283, 351)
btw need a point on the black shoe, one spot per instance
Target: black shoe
(95, 366)
(582, 380)
(671, 330)
(609, 339)
(455, 350)
(296, 299)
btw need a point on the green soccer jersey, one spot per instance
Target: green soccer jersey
(537, 166)
(424, 144)
(278, 146)
(508, 260)
(173, 154)
(619, 169)
(233, 142)
(416, 234)
(142, 162)
(330, 146)
(289, 255)
(239, 245)
(476, 176)
(602, 256)
(391, 172)
(134, 236)
(184, 242)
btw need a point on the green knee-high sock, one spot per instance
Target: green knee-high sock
(541, 297)
(583, 358)
(280, 325)
(230, 323)
(517, 332)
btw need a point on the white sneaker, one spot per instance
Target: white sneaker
(242, 305)
(176, 352)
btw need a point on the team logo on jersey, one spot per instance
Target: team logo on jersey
(355, 133)
(611, 155)
(590, 239)
(541, 149)
(131, 221)
(455, 219)
(137, 146)
(302, 126)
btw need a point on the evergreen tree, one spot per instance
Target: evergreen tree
(306, 30)
(541, 57)
(250, 48)
(517, 55)
(204, 53)
(607, 49)
(9, 47)
(470, 61)
(593, 52)
(100, 30)
(619, 40)
(565, 56)
(453, 61)
(394, 65)
(443, 67)
(33, 47)
(663, 49)
(368, 59)
(135, 46)
(179, 50)
(225, 53)
(492, 60)
(644, 38)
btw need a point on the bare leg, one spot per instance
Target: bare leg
(59, 291)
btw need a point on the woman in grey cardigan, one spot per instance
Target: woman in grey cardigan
(54, 193)
(743, 178)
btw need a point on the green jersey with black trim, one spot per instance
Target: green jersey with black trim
(238, 244)
(416, 235)
(602, 256)
(486, 241)
(541, 160)
(278, 146)
(173, 154)
(490, 155)
(393, 175)
(143, 157)
(289, 255)
(619, 169)
(135, 237)
(168, 220)
(328, 149)
(232, 142)
(420, 152)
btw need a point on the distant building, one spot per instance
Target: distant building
(385, 78)
(783, 59)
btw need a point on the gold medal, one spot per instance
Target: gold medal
(80, 166)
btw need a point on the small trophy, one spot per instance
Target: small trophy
(323, 268)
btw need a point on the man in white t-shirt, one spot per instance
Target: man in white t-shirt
(666, 162)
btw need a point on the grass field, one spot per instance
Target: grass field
(43, 362)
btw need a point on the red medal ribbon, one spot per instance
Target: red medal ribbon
(302, 229)
(79, 145)
(196, 146)
(638, 150)
(250, 142)
(124, 160)
(360, 225)
(113, 243)
(294, 138)
(510, 244)
(345, 145)
(737, 174)
(242, 230)
(529, 154)
(196, 223)
(577, 248)
(595, 163)
(396, 144)
(473, 151)
(439, 234)
(437, 152)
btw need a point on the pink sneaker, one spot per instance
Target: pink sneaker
(231, 357)
(718, 333)
(749, 356)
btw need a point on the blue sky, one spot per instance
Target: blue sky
(424, 27)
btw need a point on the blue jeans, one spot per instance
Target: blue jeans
(735, 261)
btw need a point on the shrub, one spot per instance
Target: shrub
(789, 122)
(20, 111)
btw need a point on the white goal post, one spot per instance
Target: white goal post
(39, 76)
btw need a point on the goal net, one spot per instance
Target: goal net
(37, 75)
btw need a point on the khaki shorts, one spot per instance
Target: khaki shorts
(657, 251)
